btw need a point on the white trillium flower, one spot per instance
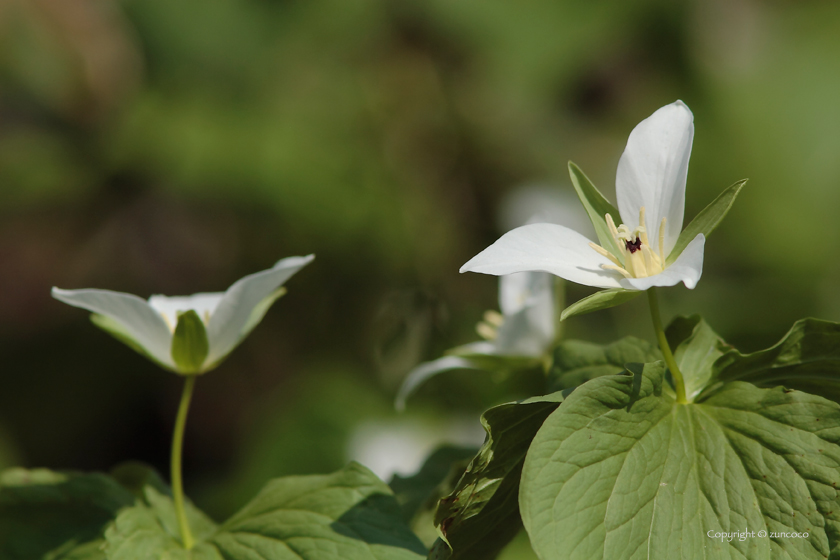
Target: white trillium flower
(187, 334)
(650, 188)
(521, 335)
(526, 326)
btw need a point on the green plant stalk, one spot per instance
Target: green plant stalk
(663, 345)
(177, 444)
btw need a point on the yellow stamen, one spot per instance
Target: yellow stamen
(617, 269)
(486, 331)
(652, 261)
(168, 324)
(494, 318)
(642, 229)
(206, 317)
(600, 250)
(611, 225)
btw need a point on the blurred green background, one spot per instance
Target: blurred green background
(151, 146)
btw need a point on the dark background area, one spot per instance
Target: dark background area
(151, 146)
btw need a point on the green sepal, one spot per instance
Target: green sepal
(696, 349)
(598, 301)
(481, 515)
(189, 343)
(597, 207)
(494, 362)
(707, 220)
(116, 330)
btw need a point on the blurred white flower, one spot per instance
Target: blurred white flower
(520, 336)
(650, 188)
(401, 447)
(187, 334)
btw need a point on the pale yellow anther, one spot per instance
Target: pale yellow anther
(617, 269)
(168, 324)
(494, 318)
(611, 225)
(654, 265)
(636, 258)
(600, 250)
(642, 229)
(206, 317)
(486, 331)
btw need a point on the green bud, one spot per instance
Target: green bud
(189, 343)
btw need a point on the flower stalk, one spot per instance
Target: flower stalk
(175, 466)
(666, 349)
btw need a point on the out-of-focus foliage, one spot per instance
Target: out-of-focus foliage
(151, 147)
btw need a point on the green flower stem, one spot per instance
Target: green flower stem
(663, 345)
(177, 445)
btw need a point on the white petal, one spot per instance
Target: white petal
(548, 248)
(145, 325)
(234, 310)
(169, 306)
(686, 269)
(527, 302)
(522, 334)
(652, 172)
(426, 370)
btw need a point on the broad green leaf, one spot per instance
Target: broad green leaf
(481, 515)
(300, 517)
(807, 358)
(576, 361)
(418, 494)
(620, 471)
(597, 207)
(51, 515)
(189, 343)
(598, 301)
(696, 349)
(707, 220)
(350, 515)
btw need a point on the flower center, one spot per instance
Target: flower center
(636, 258)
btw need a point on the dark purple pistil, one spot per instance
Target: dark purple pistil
(634, 246)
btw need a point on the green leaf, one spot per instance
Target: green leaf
(51, 515)
(482, 514)
(576, 362)
(596, 207)
(807, 358)
(189, 343)
(350, 515)
(621, 471)
(696, 349)
(707, 220)
(418, 494)
(299, 517)
(598, 301)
